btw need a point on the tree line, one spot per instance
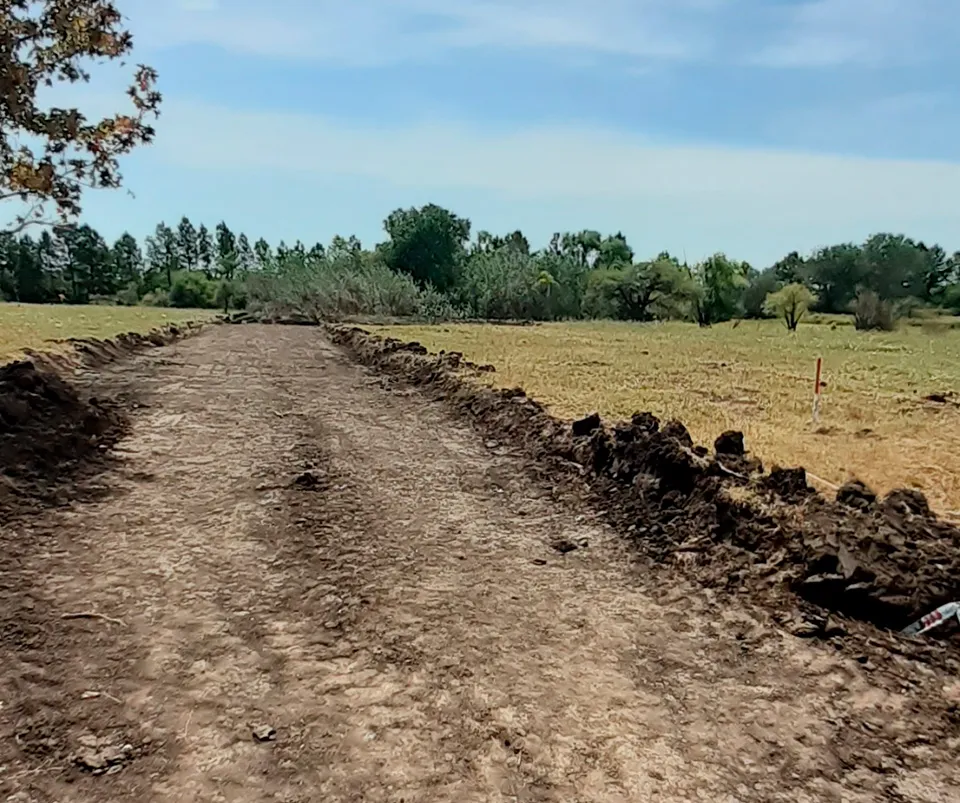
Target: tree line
(431, 265)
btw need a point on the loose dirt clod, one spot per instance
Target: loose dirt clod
(730, 444)
(586, 425)
(264, 733)
(856, 494)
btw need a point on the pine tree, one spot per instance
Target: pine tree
(204, 250)
(9, 251)
(263, 253)
(188, 247)
(162, 259)
(127, 260)
(226, 251)
(54, 260)
(89, 270)
(31, 284)
(246, 260)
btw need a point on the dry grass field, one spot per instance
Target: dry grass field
(875, 423)
(40, 326)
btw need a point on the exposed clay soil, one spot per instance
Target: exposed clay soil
(306, 581)
(716, 512)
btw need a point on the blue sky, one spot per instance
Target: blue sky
(750, 126)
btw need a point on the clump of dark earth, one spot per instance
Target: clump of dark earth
(736, 527)
(565, 545)
(856, 494)
(310, 481)
(585, 426)
(47, 429)
(790, 484)
(730, 444)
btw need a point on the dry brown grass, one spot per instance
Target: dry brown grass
(40, 326)
(755, 378)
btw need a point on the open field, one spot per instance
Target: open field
(875, 423)
(39, 326)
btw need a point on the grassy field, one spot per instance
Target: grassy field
(39, 326)
(875, 424)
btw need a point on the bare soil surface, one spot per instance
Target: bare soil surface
(292, 548)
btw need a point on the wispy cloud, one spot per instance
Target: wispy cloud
(810, 33)
(585, 164)
(376, 32)
(830, 33)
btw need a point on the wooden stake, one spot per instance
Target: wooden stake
(816, 391)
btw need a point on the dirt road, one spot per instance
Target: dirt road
(289, 544)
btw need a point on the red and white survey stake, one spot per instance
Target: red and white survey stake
(816, 392)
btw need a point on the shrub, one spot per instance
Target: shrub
(333, 286)
(129, 296)
(872, 313)
(434, 306)
(156, 298)
(790, 303)
(192, 290)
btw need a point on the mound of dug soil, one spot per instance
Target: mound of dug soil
(48, 429)
(717, 514)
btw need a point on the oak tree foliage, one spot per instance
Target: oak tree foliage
(49, 155)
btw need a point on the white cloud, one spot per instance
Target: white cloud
(753, 187)
(828, 33)
(811, 33)
(374, 32)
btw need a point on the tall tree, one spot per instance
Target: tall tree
(188, 245)
(614, 252)
(33, 286)
(894, 266)
(427, 243)
(162, 259)
(790, 269)
(49, 155)
(54, 262)
(88, 271)
(246, 260)
(9, 254)
(938, 272)
(640, 292)
(834, 273)
(226, 251)
(127, 259)
(264, 254)
(204, 250)
(720, 282)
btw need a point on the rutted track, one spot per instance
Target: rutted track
(290, 541)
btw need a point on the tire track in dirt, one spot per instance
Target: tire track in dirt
(402, 622)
